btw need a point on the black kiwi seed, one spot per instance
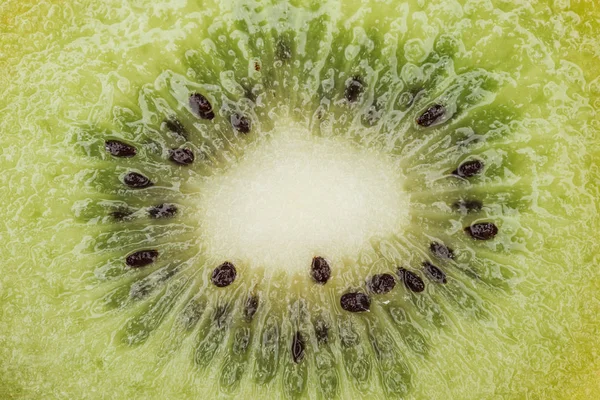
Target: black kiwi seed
(181, 156)
(434, 273)
(321, 331)
(136, 180)
(431, 115)
(141, 258)
(175, 126)
(355, 302)
(201, 106)
(354, 88)
(411, 280)
(468, 169)
(467, 206)
(441, 251)
(164, 210)
(240, 123)
(224, 274)
(250, 307)
(381, 283)
(320, 270)
(298, 347)
(482, 230)
(119, 149)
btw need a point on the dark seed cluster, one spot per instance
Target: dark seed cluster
(320, 270)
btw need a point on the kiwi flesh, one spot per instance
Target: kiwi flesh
(158, 163)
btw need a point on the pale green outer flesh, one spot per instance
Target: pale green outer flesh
(58, 64)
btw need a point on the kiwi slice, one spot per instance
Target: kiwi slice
(304, 199)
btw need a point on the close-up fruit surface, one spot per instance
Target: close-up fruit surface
(299, 199)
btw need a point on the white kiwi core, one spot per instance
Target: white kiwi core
(295, 196)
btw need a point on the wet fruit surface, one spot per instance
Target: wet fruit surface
(396, 187)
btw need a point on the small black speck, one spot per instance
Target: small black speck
(468, 169)
(241, 123)
(182, 156)
(119, 149)
(121, 215)
(381, 283)
(411, 280)
(440, 250)
(354, 88)
(164, 210)
(320, 270)
(434, 273)
(141, 258)
(224, 274)
(355, 302)
(201, 106)
(136, 180)
(431, 115)
(175, 126)
(482, 230)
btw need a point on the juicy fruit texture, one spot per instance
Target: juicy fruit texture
(115, 282)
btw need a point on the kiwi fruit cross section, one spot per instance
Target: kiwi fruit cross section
(317, 200)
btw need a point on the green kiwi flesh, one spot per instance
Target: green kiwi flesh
(458, 260)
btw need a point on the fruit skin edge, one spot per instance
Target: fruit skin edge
(586, 382)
